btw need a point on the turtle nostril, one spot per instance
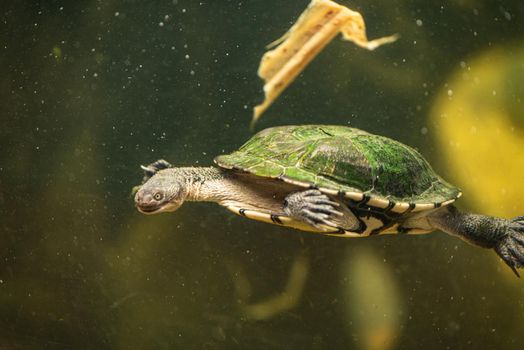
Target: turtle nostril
(139, 197)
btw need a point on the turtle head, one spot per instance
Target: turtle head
(162, 192)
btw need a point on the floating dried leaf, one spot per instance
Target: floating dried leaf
(316, 27)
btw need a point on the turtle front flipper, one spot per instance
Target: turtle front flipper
(317, 209)
(505, 236)
(153, 168)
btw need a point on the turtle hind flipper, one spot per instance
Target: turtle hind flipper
(511, 247)
(505, 236)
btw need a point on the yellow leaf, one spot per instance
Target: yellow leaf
(316, 27)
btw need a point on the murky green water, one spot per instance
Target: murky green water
(90, 90)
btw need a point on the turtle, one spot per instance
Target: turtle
(333, 180)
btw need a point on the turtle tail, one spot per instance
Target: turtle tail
(511, 247)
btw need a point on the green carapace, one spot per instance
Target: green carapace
(347, 162)
(333, 180)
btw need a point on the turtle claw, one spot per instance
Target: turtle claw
(317, 219)
(312, 207)
(511, 247)
(317, 197)
(153, 168)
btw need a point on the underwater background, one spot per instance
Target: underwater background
(90, 90)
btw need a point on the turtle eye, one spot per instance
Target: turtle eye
(158, 196)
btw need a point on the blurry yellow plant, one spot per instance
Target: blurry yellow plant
(372, 300)
(480, 128)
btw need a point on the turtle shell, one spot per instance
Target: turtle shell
(349, 162)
